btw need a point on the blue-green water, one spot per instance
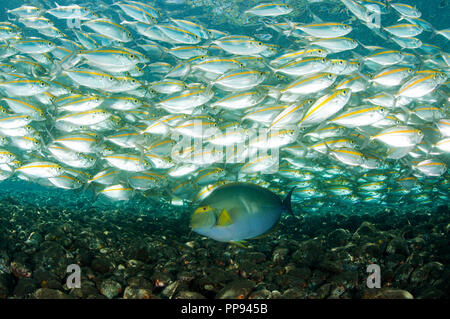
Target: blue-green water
(145, 245)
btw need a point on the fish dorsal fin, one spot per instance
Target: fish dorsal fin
(224, 219)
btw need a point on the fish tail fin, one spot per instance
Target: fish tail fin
(367, 138)
(11, 17)
(87, 185)
(292, 26)
(407, 112)
(366, 143)
(141, 152)
(246, 17)
(95, 196)
(210, 86)
(49, 130)
(408, 164)
(327, 148)
(322, 125)
(434, 33)
(272, 69)
(364, 76)
(315, 18)
(55, 70)
(287, 202)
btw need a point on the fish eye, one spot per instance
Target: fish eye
(129, 34)
(42, 84)
(111, 78)
(341, 62)
(132, 56)
(260, 43)
(323, 60)
(135, 101)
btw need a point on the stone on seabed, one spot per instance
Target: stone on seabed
(386, 293)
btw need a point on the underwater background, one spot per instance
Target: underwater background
(145, 249)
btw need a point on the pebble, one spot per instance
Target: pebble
(338, 237)
(325, 257)
(280, 256)
(102, 265)
(189, 295)
(46, 293)
(260, 294)
(6, 283)
(386, 293)
(25, 287)
(137, 293)
(238, 289)
(294, 293)
(110, 288)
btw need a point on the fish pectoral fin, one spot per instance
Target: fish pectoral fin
(239, 243)
(224, 219)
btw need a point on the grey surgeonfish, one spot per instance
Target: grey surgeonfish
(239, 211)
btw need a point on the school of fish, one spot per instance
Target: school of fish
(128, 101)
